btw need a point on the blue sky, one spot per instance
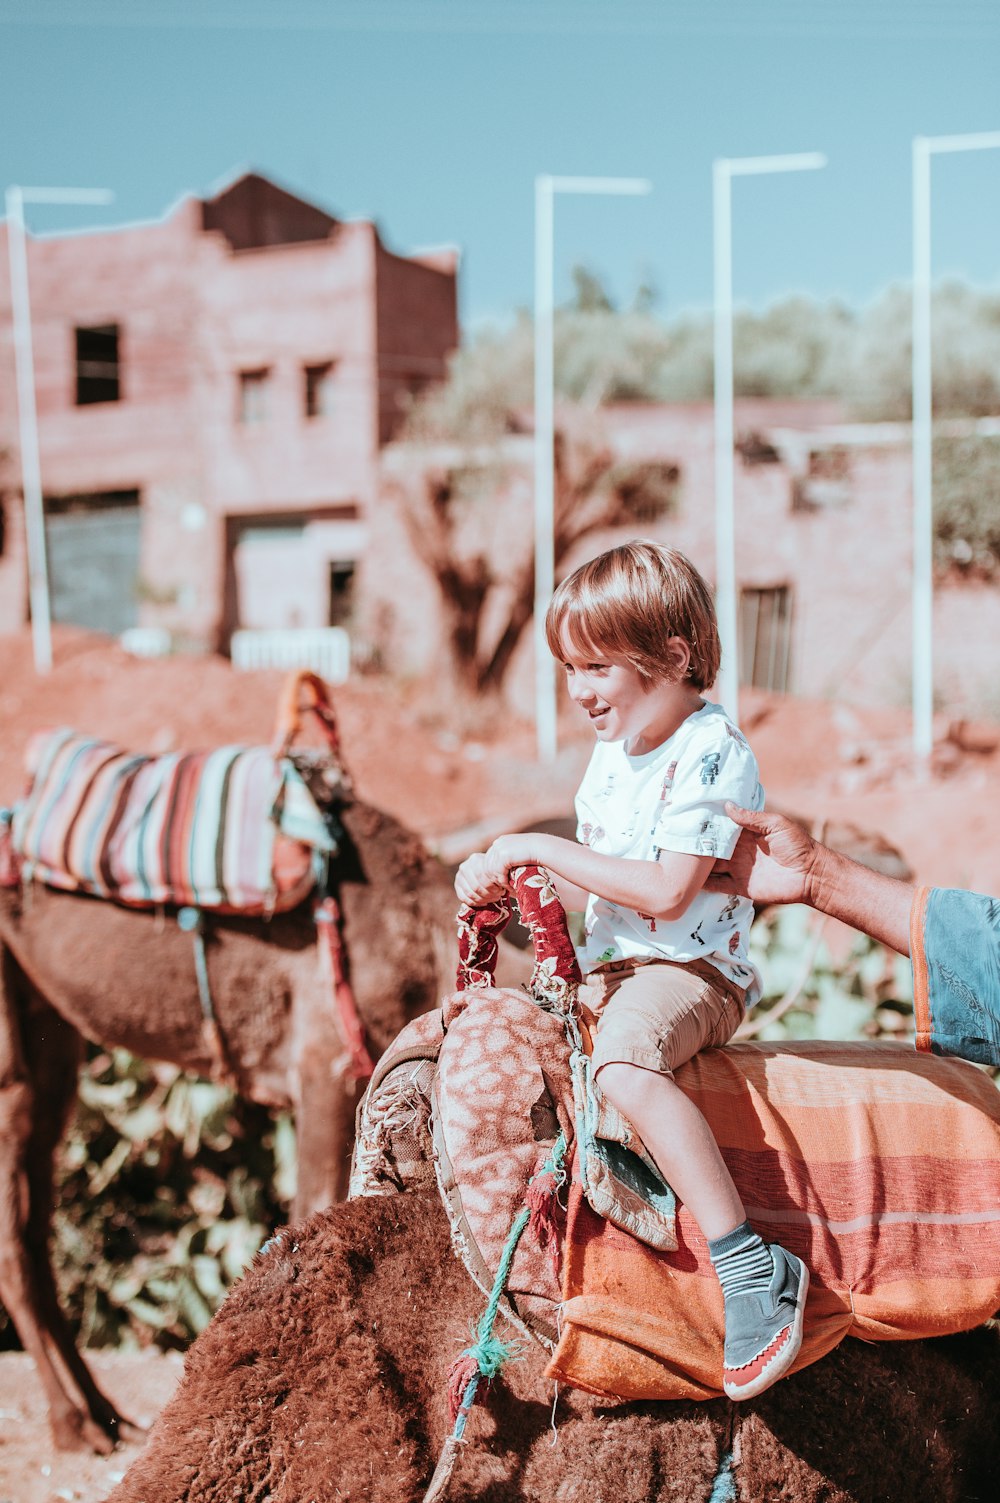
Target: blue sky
(433, 117)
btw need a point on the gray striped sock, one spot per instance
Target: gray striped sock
(741, 1260)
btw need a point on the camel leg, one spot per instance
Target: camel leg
(325, 1097)
(39, 1057)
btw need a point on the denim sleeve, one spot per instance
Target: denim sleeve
(955, 948)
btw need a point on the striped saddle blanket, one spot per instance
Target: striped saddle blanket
(235, 829)
(879, 1166)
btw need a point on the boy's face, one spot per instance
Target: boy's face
(620, 705)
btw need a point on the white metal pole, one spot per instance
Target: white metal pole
(27, 412)
(923, 430)
(724, 169)
(923, 586)
(546, 187)
(728, 683)
(545, 675)
(31, 476)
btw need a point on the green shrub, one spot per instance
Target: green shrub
(808, 995)
(166, 1187)
(967, 504)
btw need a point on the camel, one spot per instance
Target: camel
(76, 967)
(323, 1377)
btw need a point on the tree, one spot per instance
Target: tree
(462, 514)
(590, 294)
(469, 523)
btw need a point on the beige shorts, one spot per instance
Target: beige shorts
(658, 1014)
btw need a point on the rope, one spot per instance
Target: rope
(333, 958)
(192, 921)
(724, 1483)
(487, 1355)
(724, 1487)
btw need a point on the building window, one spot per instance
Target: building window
(766, 637)
(318, 389)
(341, 592)
(254, 387)
(98, 370)
(826, 482)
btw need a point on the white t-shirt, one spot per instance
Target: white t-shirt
(671, 799)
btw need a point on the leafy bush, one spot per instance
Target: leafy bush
(808, 994)
(797, 347)
(967, 504)
(166, 1187)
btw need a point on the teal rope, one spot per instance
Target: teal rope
(724, 1485)
(488, 1351)
(192, 921)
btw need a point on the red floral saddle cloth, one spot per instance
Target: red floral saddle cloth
(879, 1166)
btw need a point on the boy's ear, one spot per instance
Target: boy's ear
(678, 658)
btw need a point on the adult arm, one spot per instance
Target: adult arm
(777, 861)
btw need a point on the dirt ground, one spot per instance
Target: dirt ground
(456, 786)
(451, 782)
(30, 1470)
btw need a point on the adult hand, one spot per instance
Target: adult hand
(772, 863)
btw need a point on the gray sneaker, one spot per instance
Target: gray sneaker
(764, 1328)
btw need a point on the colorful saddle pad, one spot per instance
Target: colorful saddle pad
(233, 829)
(878, 1166)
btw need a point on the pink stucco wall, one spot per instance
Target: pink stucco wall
(193, 313)
(847, 562)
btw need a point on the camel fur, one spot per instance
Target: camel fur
(323, 1377)
(74, 967)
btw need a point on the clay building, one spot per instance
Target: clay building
(214, 389)
(823, 540)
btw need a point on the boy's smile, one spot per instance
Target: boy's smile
(621, 706)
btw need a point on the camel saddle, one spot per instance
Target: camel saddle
(878, 1165)
(235, 830)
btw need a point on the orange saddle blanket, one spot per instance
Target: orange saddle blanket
(878, 1166)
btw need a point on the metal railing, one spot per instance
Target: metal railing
(326, 650)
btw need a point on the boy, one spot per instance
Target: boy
(636, 632)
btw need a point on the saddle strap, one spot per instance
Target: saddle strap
(192, 921)
(304, 693)
(334, 960)
(10, 867)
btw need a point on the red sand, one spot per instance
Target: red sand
(817, 759)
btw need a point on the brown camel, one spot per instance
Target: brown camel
(74, 967)
(323, 1377)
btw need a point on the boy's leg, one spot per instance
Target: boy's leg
(657, 1019)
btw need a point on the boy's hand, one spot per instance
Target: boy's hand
(772, 862)
(482, 877)
(476, 883)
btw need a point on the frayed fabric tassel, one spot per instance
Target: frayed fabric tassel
(476, 1367)
(460, 1374)
(542, 1200)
